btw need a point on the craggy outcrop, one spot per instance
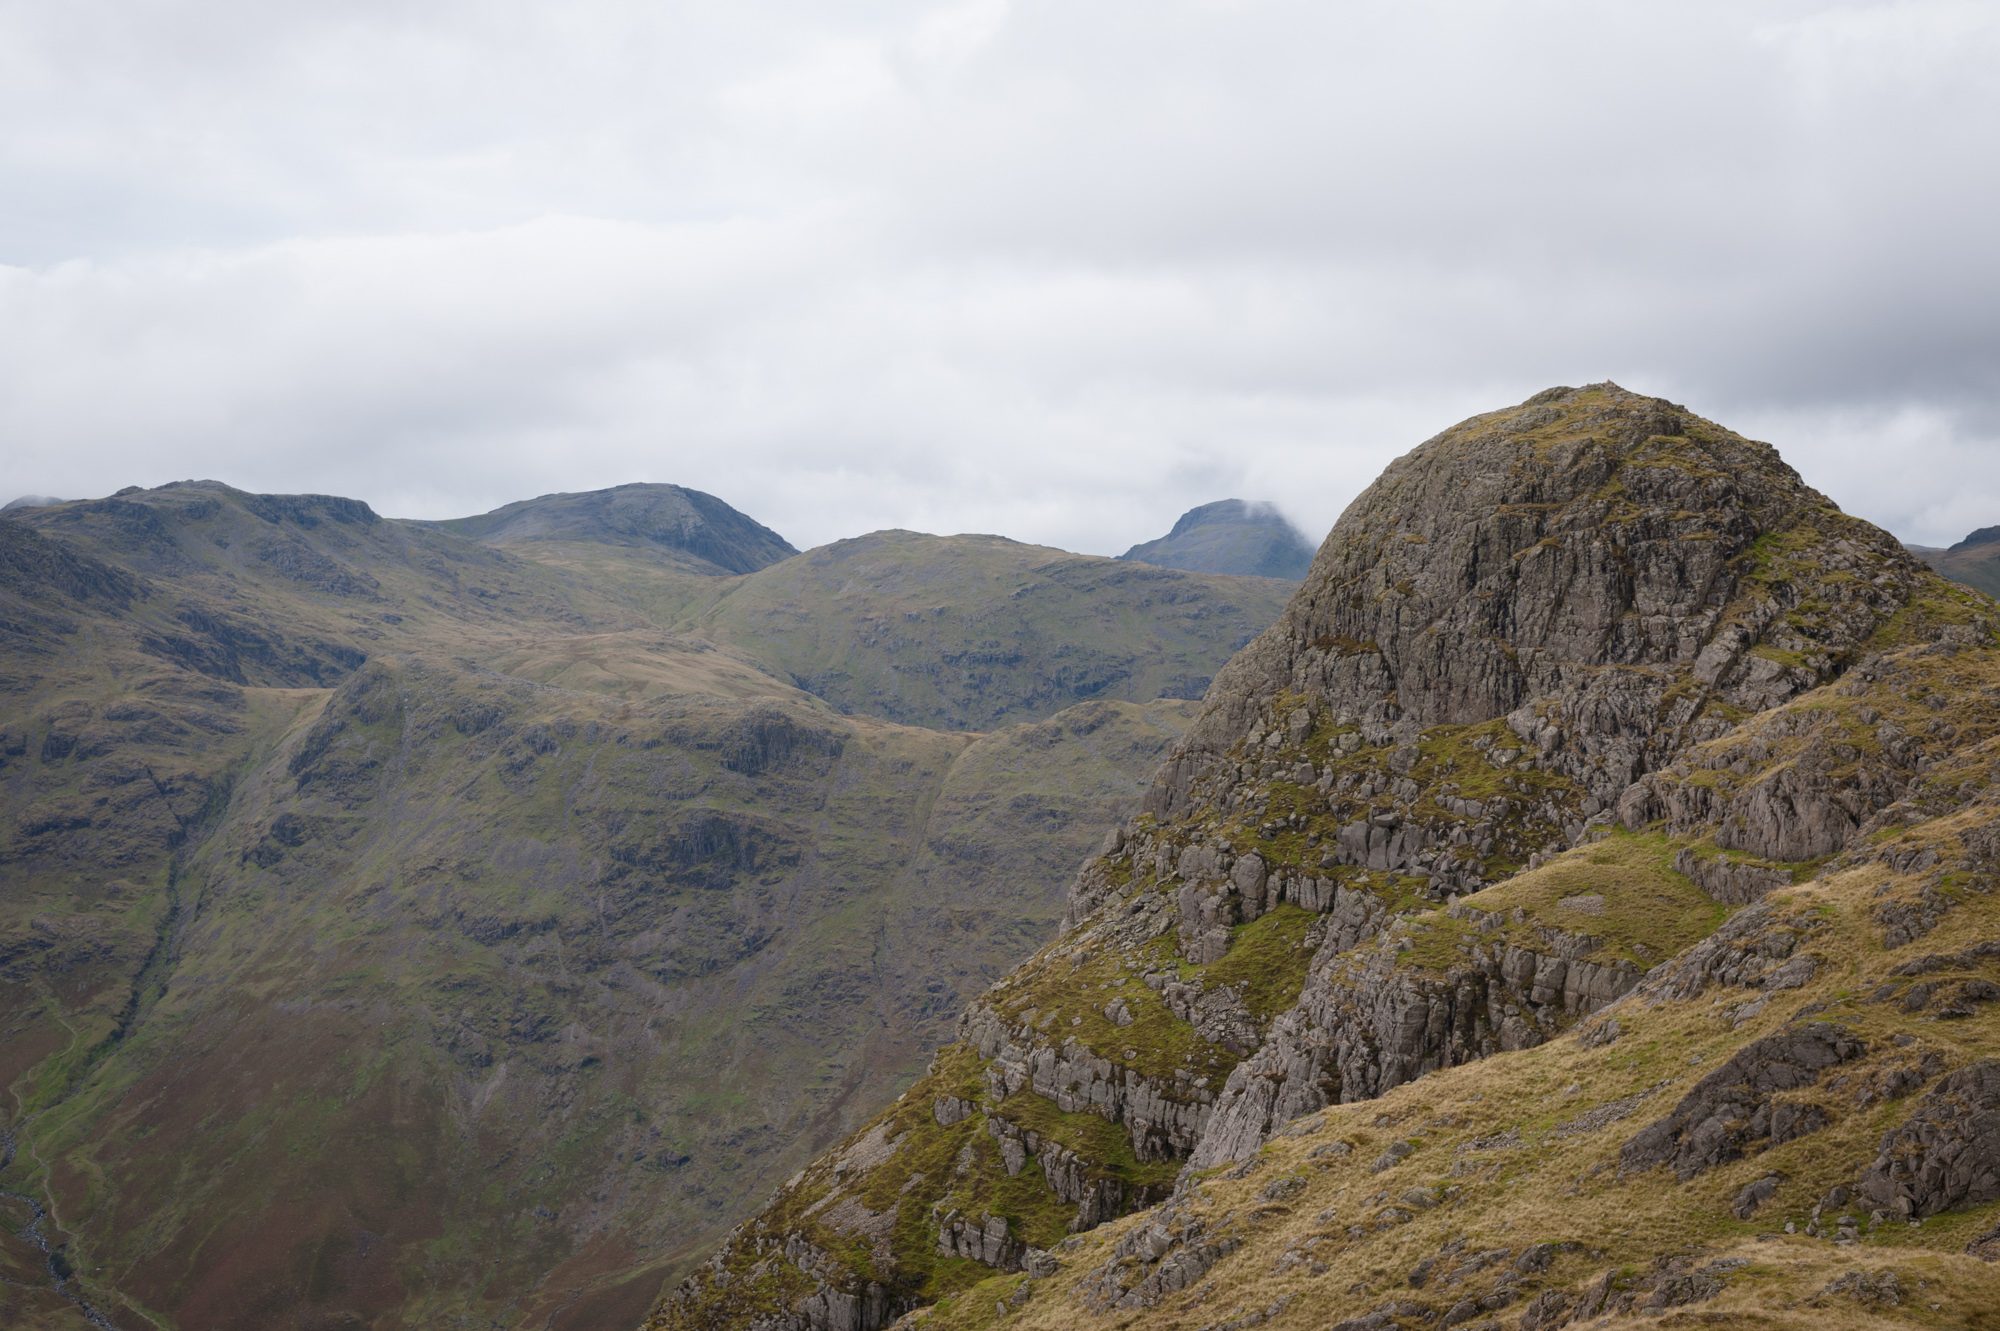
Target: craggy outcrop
(1572, 621)
(1579, 557)
(1165, 1120)
(1947, 1153)
(1369, 1022)
(1739, 1105)
(1170, 1251)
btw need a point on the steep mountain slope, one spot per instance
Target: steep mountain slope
(1571, 699)
(978, 631)
(684, 528)
(1231, 536)
(1974, 561)
(397, 931)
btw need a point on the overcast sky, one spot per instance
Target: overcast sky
(1054, 268)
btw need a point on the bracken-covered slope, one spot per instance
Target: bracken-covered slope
(1589, 874)
(398, 930)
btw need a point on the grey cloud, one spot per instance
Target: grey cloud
(1051, 270)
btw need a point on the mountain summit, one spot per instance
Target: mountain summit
(1594, 737)
(1231, 536)
(692, 530)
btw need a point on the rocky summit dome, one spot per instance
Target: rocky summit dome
(1594, 735)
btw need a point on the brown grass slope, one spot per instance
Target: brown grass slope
(1580, 696)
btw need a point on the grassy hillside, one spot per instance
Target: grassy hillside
(402, 932)
(971, 632)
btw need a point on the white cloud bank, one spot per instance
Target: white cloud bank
(1049, 269)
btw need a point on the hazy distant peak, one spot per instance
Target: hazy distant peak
(1240, 512)
(695, 529)
(1984, 536)
(29, 501)
(1231, 536)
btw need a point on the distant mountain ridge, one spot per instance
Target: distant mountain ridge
(695, 530)
(1231, 536)
(977, 632)
(1974, 561)
(411, 924)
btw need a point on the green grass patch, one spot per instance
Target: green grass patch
(1621, 890)
(1267, 960)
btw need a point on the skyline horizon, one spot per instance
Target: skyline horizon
(980, 264)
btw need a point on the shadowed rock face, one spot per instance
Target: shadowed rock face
(1231, 536)
(1568, 638)
(1734, 1106)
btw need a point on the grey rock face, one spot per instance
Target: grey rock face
(1164, 1120)
(1757, 948)
(1478, 574)
(1733, 1108)
(1728, 880)
(1169, 1252)
(829, 1309)
(1753, 1195)
(1069, 1176)
(1947, 1153)
(1367, 1023)
(984, 1240)
(1804, 811)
